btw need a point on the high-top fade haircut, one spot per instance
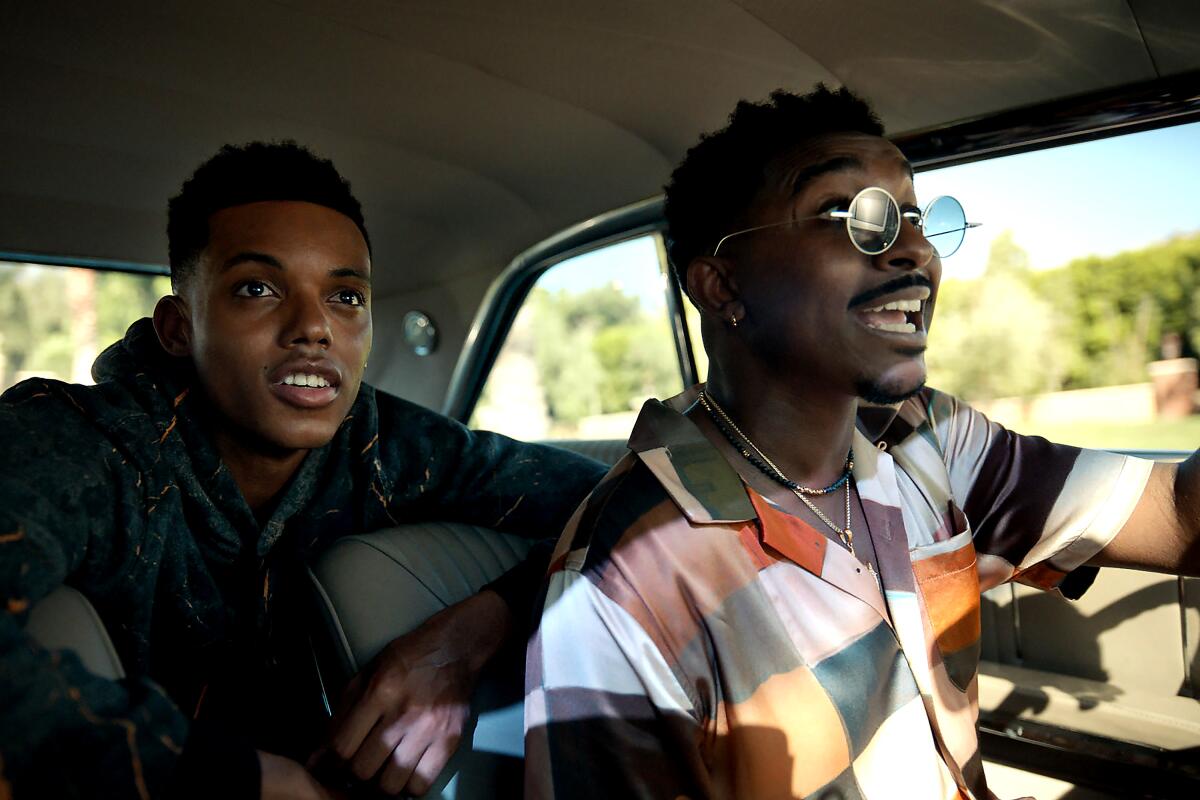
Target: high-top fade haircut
(719, 177)
(250, 173)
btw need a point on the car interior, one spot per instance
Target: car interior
(492, 144)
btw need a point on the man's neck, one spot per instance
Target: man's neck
(805, 430)
(259, 474)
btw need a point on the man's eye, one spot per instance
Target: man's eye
(835, 204)
(351, 297)
(254, 289)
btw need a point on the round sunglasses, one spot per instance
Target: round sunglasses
(873, 223)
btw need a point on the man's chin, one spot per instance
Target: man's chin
(882, 392)
(296, 437)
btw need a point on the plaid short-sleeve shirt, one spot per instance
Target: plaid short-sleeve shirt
(696, 641)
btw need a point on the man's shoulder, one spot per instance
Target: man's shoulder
(628, 503)
(924, 418)
(45, 401)
(48, 426)
(394, 415)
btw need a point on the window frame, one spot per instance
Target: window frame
(508, 292)
(81, 262)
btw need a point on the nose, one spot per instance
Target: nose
(308, 324)
(911, 249)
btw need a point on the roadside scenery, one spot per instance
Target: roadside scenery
(1098, 352)
(54, 321)
(591, 343)
(1073, 312)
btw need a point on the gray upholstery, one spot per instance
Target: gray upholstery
(372, 588)
(65, 620)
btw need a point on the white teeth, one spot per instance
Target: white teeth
(898, 305)
(893, 327)
(301, 379)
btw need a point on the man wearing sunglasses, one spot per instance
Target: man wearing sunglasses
(776, 592)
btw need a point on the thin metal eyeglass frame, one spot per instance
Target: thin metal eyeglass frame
(916, 217)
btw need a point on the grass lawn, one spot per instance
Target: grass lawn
(1177, 434)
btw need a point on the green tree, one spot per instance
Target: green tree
(1119, 308)
(36, 322)
(598, 350)
(994, 336)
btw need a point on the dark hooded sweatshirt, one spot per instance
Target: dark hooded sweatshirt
(116, 489)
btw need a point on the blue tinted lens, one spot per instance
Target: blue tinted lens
(945, 225)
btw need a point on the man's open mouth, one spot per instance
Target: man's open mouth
(307, 380)
(306, 385)
(897, 314)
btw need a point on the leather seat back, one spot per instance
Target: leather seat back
(371, 588)
(65, 620)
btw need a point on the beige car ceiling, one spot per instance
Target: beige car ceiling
(471, 130)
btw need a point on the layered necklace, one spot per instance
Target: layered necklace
(742, 443)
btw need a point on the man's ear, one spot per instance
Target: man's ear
(712, 284)
(173, 324)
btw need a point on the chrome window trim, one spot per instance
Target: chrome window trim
(1159, 103)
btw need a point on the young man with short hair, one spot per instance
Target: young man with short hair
(776, 593)
(223, 445)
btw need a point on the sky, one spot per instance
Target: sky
(1094, 198)
(1061, 203)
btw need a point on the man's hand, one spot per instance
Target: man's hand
(401, 718)
(283, 779)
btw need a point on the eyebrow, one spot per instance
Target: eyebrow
(252, 256)
(814, 171)
(247, 256)
(350, 272)
(835, 164)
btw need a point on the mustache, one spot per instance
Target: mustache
(894, 285)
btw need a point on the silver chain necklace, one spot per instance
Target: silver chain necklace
(728, 427)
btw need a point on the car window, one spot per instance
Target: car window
(54, 321)
(591, 342)
(1073, 312)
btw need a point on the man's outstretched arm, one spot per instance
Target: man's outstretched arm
(1163, 532)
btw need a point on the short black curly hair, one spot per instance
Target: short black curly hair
(719, 177)
(250, 173)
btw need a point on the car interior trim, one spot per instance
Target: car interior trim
(102, 264)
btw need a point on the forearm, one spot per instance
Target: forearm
(520, 586)
(448, 472)
(524, 489)
(1187, 509)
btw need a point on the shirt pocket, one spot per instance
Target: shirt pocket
(949, 583)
